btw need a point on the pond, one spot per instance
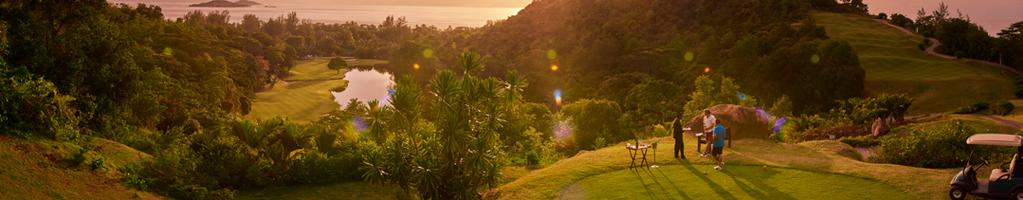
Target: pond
(365, 85)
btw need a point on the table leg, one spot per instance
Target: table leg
(643, 162)
(632, 153)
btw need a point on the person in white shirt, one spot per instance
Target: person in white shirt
(709, 121)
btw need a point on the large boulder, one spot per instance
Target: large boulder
(742, 122)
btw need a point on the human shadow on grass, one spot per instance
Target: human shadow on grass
(681, 193)
(756, 178)
(724, 194)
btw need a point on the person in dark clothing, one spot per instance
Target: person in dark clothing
(677, 134)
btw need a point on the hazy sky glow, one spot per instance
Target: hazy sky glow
(462, 3)
(993, 15)
(442, 13)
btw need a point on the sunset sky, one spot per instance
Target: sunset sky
(465, 3)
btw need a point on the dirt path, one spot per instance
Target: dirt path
(935, 44)
(1007, 122)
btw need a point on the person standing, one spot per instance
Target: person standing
(708, 126)
(719, 144)
(677, 134)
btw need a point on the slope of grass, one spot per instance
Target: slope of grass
(44, 169)
(560, 179)
(305, 95)
(350, 190)
(895, 64)
(687, 181)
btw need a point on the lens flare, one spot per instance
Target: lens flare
(689, 56)
(415, 66)
(815, 59)
(551, 54)
(554, 67)
(706, 70)
(562, 130)
(427, 53)
(359, 124)
(557, 96)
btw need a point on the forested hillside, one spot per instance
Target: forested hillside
(605, 48)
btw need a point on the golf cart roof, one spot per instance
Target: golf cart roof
(995, 139)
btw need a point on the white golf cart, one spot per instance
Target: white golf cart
(1005, 181)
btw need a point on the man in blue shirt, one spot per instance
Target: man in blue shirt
(718, 143)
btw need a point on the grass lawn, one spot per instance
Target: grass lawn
(687, 181)
(350, 190)
(894, 64)
(596, 174)
(304, 96)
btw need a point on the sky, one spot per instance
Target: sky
(993, 15)
(461, 3)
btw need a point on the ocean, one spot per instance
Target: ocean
(327, 11)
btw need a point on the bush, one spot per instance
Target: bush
(971, 109)
(79, 158)
(901, 20)
(1003, 108)
(860, 141)
(938, 147)
(1019, 88)
(31, 106)
(882, 16)
(593, 119)
(97, 164)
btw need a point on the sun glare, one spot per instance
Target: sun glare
(557, 97)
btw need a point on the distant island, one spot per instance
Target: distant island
(225, 3)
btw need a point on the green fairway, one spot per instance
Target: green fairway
(687, 181)
(305, 95)
(350, 190)
(798, 165)
(894, 64)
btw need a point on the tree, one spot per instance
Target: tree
(901, 20)
(453, 153)
(593, 119)
(337, 63)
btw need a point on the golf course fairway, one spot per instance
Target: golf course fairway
(688, 181)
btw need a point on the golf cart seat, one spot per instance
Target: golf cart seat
(996, 173)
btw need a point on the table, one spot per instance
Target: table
(638, 150)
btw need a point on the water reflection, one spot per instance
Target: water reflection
(365, 85)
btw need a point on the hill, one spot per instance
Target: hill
(894, 64)
(44, 169)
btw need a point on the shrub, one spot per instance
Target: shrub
(860, 141)
(78, 159)
(1003, 108)
(971, 109)
(131, 175)
(937, 147)
(1019, 88)
(901, 20)
(593, 119)
(97, 164)
(31, 106)
(882, 16)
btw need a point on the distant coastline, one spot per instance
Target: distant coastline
(226, 4)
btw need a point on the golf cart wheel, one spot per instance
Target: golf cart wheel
(1018, 194)
(957, 193)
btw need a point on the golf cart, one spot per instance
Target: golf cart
(1005, 181)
